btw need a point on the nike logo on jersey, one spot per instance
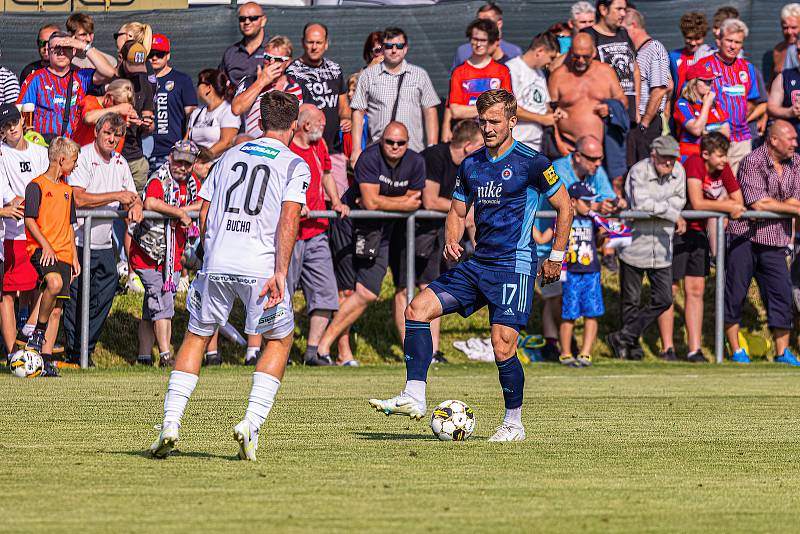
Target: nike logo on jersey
(490, 193)
(255, 149)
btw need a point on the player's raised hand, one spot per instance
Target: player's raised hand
(452, 251)
(551, 271)
(274, 287)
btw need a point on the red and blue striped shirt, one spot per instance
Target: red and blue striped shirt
(48, 93)
(735, 85)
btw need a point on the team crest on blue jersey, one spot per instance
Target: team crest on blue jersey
(550, 175)
(506, 174)
(169, 85)
(254, 149)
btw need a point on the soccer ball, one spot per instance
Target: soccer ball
(26, 364)
(453, 420)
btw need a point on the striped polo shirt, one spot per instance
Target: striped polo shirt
(48, 93)
(735, 85)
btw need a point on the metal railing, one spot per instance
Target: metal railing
(89, 216)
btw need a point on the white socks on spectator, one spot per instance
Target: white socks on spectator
(415, 389)
(513, 417)
(262, 397)
(179, 390)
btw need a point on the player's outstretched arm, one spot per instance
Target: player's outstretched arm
(551, 269)
(285, 240)
(454, 230)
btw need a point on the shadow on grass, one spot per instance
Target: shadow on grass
(177, 454)
(391, 436)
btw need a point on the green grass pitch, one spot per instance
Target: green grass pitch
(618, 447)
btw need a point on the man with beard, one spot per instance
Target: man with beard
(580, 87)
(311, 266)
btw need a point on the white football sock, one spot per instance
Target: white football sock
(262, 397)
(252, 352)
(27, 330)
(513, 417)
(415, 389)
(179, 390)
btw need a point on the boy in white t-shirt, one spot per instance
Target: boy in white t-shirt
(20, 162)
(530, 88)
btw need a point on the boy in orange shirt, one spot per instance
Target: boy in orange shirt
(49, 216)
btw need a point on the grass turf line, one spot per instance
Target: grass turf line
(648, 447)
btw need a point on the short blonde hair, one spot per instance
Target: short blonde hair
(497, 96)
(733, 26)
(689, 91)
(120, 91)
(61, 147)
(142, 33)
(790, 11)
(280, 41)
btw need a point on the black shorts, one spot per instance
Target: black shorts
(391, 252)
(426, 268)
(340, 238)
(691, 255)
(64, 270)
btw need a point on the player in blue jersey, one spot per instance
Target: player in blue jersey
(504, 183)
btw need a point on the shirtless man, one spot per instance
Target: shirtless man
(579, 87)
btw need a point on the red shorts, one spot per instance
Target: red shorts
(19, 272)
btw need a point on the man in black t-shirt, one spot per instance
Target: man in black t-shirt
(615, 47)
(133, 67)
(323, 85)
(441, 166)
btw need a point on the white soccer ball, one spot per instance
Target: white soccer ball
(453, 420)
(26, 364)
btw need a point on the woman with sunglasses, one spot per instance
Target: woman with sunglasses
(213, 125)
(373, 49)
(134, 31)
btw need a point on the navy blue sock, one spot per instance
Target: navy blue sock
(418, 350)
(512, 380)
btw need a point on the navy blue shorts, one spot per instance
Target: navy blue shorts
(469, 286)
(582, 296)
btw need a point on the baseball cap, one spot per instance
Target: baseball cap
(9, 113)
(134, 55)
(160, 43)
(702, 71)
(666, 145)
(581, 191)
(184, 150)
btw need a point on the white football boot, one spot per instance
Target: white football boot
(402, 404)
(247, 440)
(506, 432)
(166, 441)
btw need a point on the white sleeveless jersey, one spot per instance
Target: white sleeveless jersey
(246, 189)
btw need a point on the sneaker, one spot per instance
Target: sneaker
(568, 360)
(213, 359)
(550, 352)
(251, 361)
(145, 360)
(788, 358)
(183, 284)
(635, 352)
(668, 355)
(697, 357)
(166, 361)
(350, 363)
(36, 341)
(585, 360)
(49, 370)
(320, 360)
(247, 440)
(619, 349)
(610, 262)
(438, 357)
(135, 283)
(402, 404)
(740, 356)
(122, 269)
(506, 432)
(166, 441)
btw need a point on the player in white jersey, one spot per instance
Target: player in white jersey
(248, 223)
(20, 162)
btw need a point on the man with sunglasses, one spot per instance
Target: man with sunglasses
(388, 176)
(243, 58)
(395, 90)
(48, 88)
(175, 99)
(41, 45)
(271, 76)
(323, 85)
(81, 27)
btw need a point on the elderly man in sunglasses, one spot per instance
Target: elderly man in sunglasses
(244, 57)
(270, 76)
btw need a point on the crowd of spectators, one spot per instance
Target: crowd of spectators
(627, 123)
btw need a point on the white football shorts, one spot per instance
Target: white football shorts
(212, 296)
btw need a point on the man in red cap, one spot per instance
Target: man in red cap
(175, 99)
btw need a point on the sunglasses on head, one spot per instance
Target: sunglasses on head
(280, 59)
(395, 142)
(157, 54)
(389, 46)
(593, 159)
(117, 35)
(251, 18)
(41, 43)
